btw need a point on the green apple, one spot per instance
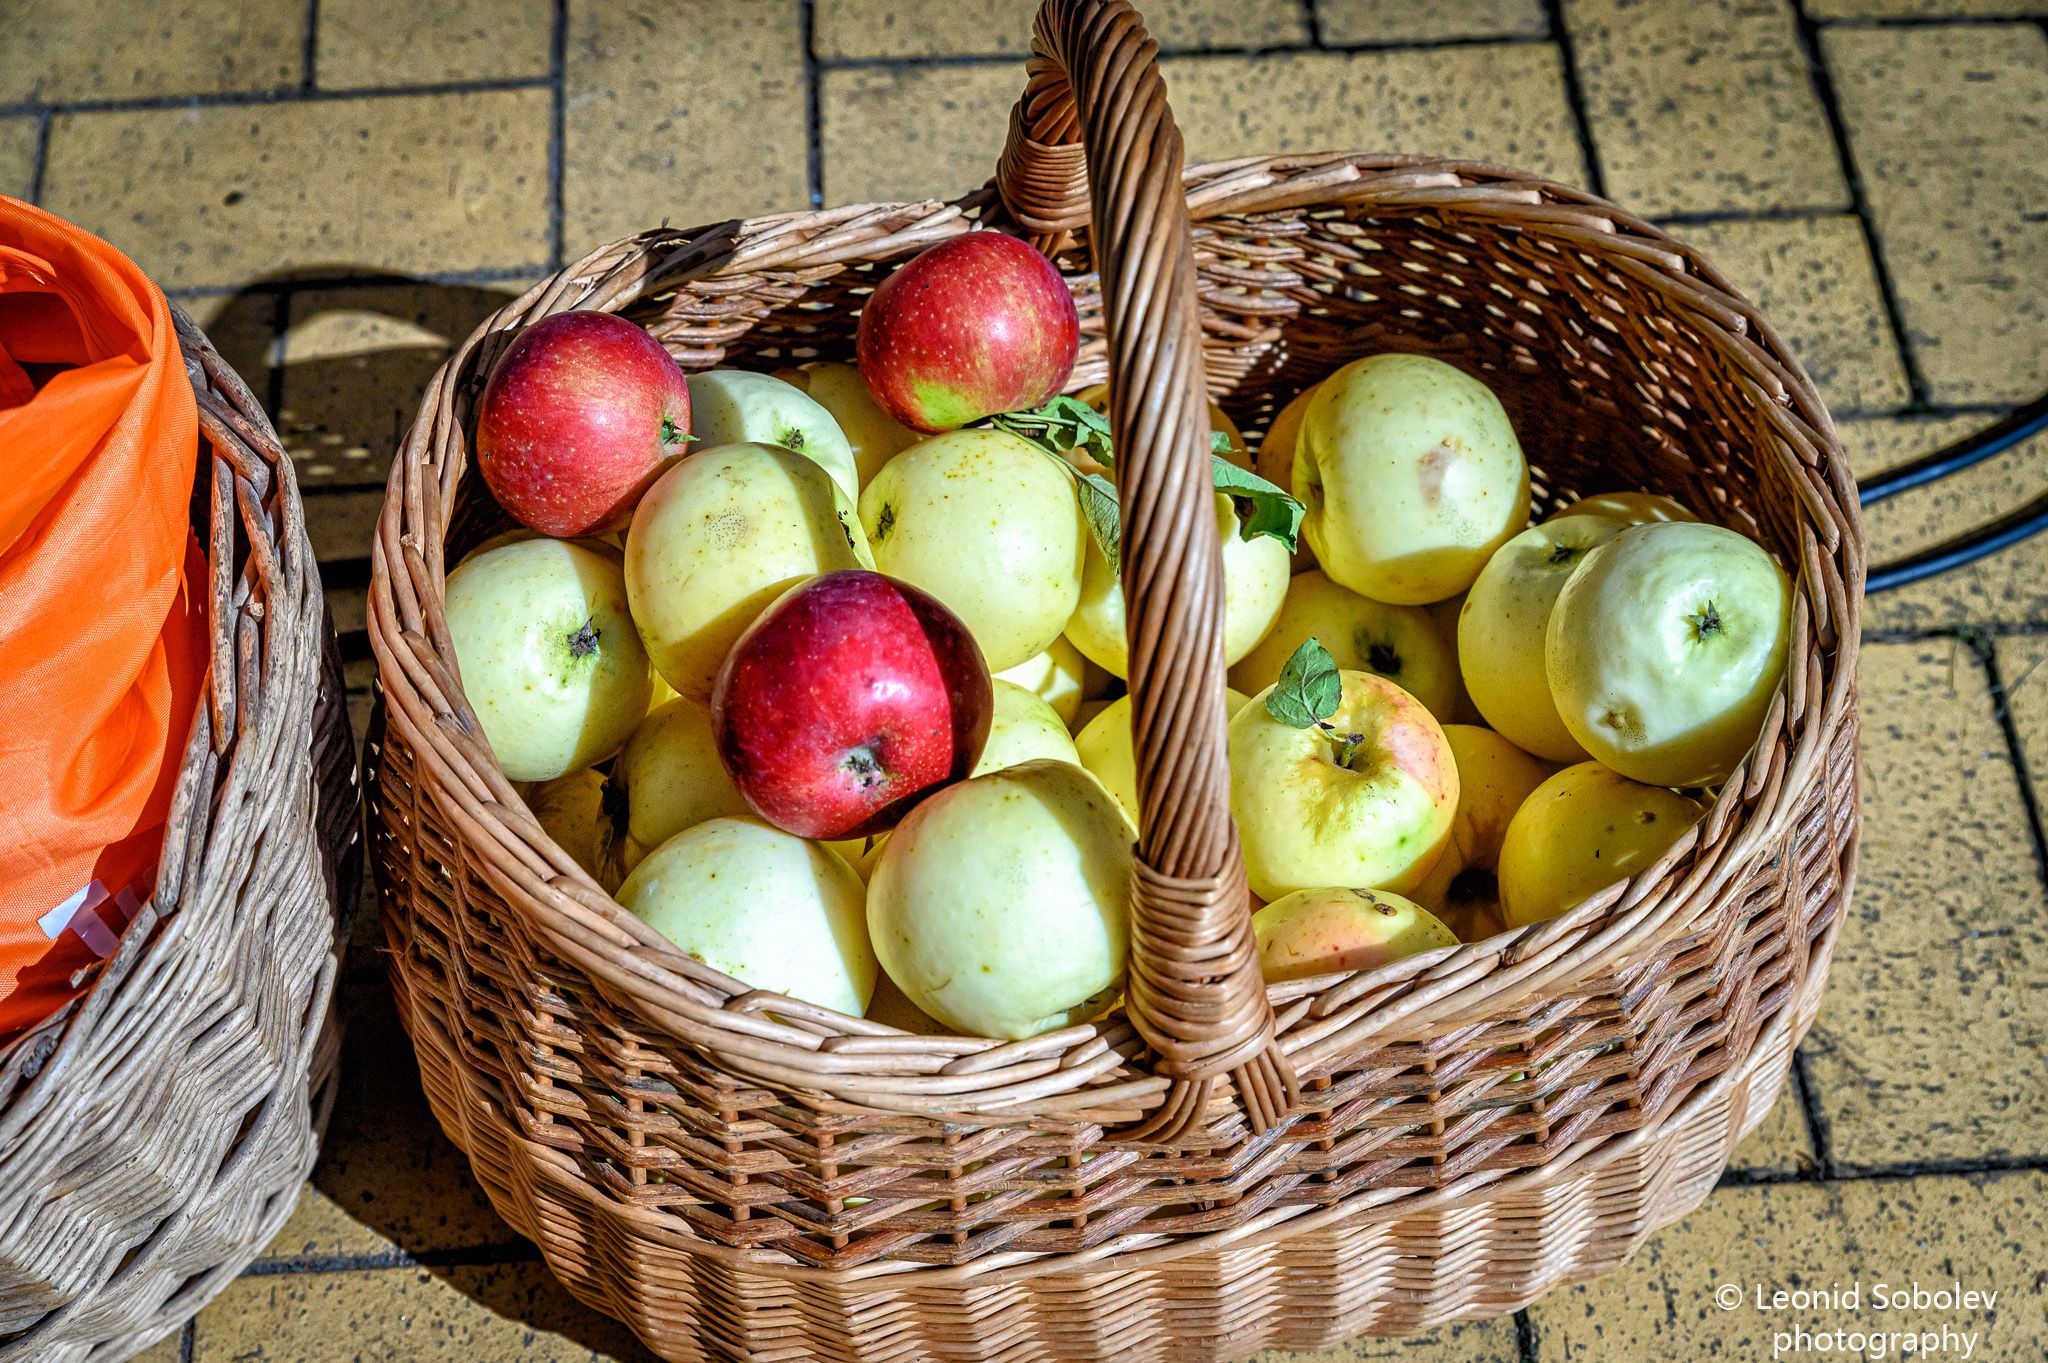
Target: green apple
(1400, 643)
(1324, 932)
(1001, 904)
(990, 525)
(1104, 747)
(1057, 676)
(717, 539)
(875, 436)
(574, 810)
(738, 407)
(1364, 801)
(1494, 778)
(671, 779)
(549, 659)
(1501, 631)
(762, 906)
(1630, 508)
(1411, 477)
(1579, 832)
(1665, 648)
(1022, 728)
(1254, 584)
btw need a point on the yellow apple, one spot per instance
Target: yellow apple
(1104, 748)
(1276, 461)
(1000, 905)
(1411, 476)
(875, 436)
(717, 539)
(738, 406)
(1444, 615)
(893, 1008)
(1665, 648)
(1254, 584)
(1579, 832)
(572, 810)
(1057, 676)
(671, 778)
(549, 659)
(1501, 631)
(1324, 932)
(1022, 728)
(1365, 803)
(1494, 777)
(1630, 508)
(1400, 643)
(989, 524)
(762, 906)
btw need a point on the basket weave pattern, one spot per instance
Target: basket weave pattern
(737, 1174)
(154, 1134)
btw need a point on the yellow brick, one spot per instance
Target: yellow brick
(2023, 667)
(373, 42)
(1929, 1042)
(1815, 281)
(1480, 1341)
(17, 155)
(512, 1313)
(1977, 1232)
(78, 49)
(229, 194)
(1390, 21)
(1782, 1144)
(1922, 9)
(681, 113)
(934, 28)
(357, 362)
(1703, 106)
(2010, 586)
(1946, 127)
(169, 1349)
(909, 133)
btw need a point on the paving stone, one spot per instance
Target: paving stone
(1922, 9)
(17, 155)
(1947, 125)
(227, 194)
(1703, 106)
(1480, 1341)
(77, 50)
(1782, 1145)
(948, 28)
(341, 524)
(1392, 21)
(1982, 1233)
(2023, 667)
(372, 42)
(2010, 586)
(1814, 279)
(388, 1179)
(1929, 1044)
(169, 1349)
(356, 363)
(508, 1313)
(684, 114)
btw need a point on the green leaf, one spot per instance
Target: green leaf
(1262, 508)
(1105, 517)
(1309, 688)
(1061, 425)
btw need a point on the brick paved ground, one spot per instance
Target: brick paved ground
(339, 187)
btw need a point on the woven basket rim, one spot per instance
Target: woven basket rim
(813, 1049)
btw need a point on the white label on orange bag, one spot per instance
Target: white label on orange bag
(81, 913)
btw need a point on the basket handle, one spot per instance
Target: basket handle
(1195, 991)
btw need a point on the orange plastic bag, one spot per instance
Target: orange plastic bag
(102, 641)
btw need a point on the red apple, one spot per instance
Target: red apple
(846, 702)
(581, 414)
(974, 326)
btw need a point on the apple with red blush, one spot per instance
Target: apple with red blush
(580, 415)
(974, 326)
(847, 702)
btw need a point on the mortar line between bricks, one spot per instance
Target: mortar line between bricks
(1525, 1336)
(1575, 94)
(41, 164)
(188, 1341)
(1312, 19)
(558, 115)
(814, 117)
(1819, 1135)
(1808, 34)
(309, 51)
(1931, 21)
(2001, 709)
(467, 1256)
(283, 94)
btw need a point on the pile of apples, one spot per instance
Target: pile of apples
(820, 671)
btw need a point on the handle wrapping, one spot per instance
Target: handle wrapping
(1195, 993)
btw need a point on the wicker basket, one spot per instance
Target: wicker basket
(1218, 1167)
(155, 1132)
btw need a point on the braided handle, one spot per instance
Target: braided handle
(1195, 991)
